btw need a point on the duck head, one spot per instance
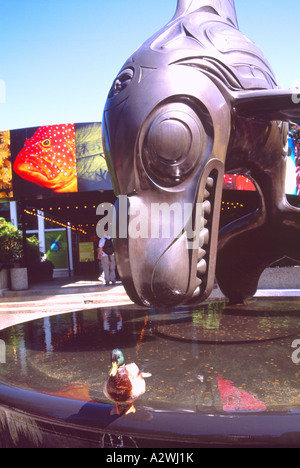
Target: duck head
(117, 360)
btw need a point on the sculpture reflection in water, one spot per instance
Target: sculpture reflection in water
(195, 100)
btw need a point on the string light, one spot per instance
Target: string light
(67, 226)
(231, 205)
(226, 205)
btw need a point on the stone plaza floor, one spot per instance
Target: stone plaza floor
(62, 295)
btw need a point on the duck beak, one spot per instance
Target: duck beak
(114, 369)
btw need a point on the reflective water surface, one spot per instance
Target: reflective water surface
(212, 357)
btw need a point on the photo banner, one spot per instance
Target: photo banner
(41, 161)
(6, 190)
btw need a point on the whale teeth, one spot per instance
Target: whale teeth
(209, 185)
(206, 194)
(201, 254)
(202, 267)
(210, 182)
(198, 282)
(207, 207)
(196, 293)
(204, 237)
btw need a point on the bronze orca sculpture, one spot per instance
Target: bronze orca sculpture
(198, 99)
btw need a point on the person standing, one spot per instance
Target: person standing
(107, 256)
(101, 271)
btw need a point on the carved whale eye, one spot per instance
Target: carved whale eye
(173, 144)
(123, 79)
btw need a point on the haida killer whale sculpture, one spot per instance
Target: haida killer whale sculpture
(196, 99)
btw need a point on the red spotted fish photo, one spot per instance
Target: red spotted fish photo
(48, 158)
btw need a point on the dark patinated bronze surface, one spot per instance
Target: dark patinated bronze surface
(198, 99)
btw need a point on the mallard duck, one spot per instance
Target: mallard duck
(125, 383)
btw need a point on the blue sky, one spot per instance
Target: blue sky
(59, 57)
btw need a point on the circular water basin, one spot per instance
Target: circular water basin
(220, 376)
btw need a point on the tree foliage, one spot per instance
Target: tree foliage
(11, 245)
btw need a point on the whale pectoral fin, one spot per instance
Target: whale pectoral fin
(274, 104)
(243, 258)
(252, 247)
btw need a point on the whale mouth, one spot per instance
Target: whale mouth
(192, 278)
(168, 272)
(204, 262)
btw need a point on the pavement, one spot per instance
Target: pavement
(60, 295)
(63, 295)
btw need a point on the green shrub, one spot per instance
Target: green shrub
(11, 245)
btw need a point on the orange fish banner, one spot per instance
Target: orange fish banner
(48, 158)
(63, 158)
